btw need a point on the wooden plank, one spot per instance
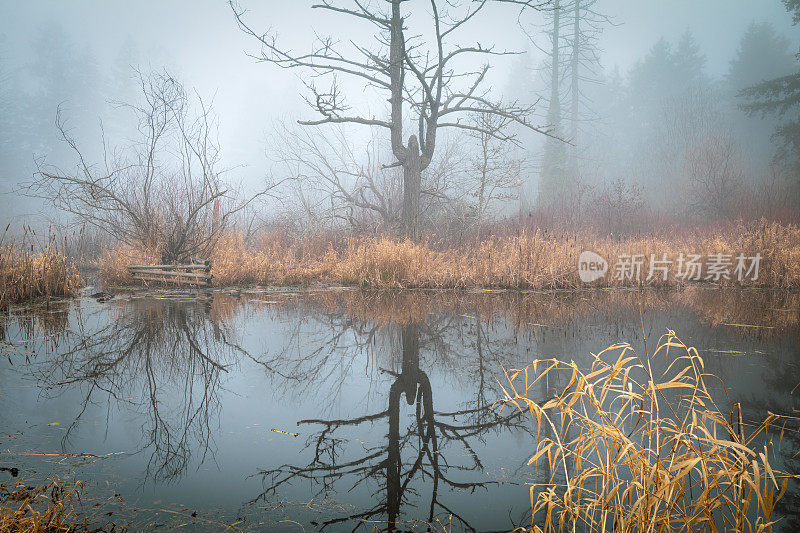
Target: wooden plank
(195, 274)
(176, 281)
(192, 282)
(160, 274)
(169, 267)
(168, 273)
(201, 282)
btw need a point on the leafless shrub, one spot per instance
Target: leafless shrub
(715, 174)
(164, 189)
(618, 205)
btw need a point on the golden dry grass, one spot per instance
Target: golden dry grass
(48, 508)
(632, 450)
(27, 274)
(528, 260)
(113, 263)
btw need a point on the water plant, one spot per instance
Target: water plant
(29, 271)
(46, 508)
(629, 448)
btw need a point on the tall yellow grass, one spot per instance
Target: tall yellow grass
(48, 508)
(528, 260)
(630, 450)
(26, 274)
(113, 263)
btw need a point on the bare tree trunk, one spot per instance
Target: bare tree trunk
(554, 77)
(554, 155)
(429, 89)
(576, 50)
(412, 171)
(409, 156)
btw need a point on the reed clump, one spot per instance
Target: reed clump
(273, 259)
(26, 273)
(629, 449)
(113, 263)
(528, 259)
(47, 508)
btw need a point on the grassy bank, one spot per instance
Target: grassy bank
(26, 274)
(524, 259)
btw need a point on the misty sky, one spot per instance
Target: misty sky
(200, 43)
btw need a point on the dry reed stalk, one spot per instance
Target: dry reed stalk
(632, 451)
(48, 508)
(113, 263)
(527, 260)
(27, 274)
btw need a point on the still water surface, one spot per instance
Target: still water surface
(336, 409)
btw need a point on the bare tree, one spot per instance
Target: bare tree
(617, 206)
(428, 445)
(496, 170)
(437, 95)
(163, 190)
(330, 180)
(573, 27)
(715, 172)
(587, 25)
(334, 181)
(161, 361)
(684, 122)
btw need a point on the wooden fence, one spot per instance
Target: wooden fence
(195, 274)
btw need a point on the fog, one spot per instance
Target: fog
(80, 56)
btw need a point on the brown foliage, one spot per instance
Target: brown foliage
(530, 259)
(47, 508)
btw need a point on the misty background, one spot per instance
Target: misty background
(662, 80)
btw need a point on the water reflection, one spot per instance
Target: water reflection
(149, 354)
(392, 392)
(432, 447)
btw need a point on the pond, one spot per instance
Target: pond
(338, 409)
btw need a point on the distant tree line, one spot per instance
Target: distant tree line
(682, 143)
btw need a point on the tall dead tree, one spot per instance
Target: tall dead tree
(587, 24)
(575, 69)
(554, 151)
(416, 71)
(572, 59)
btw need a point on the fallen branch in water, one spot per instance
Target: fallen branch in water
(83, 454)
(285, 432)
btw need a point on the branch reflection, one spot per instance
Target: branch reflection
(433, 450)
(160, 358)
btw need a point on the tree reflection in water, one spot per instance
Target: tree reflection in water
(434, 441)
(162, 359)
